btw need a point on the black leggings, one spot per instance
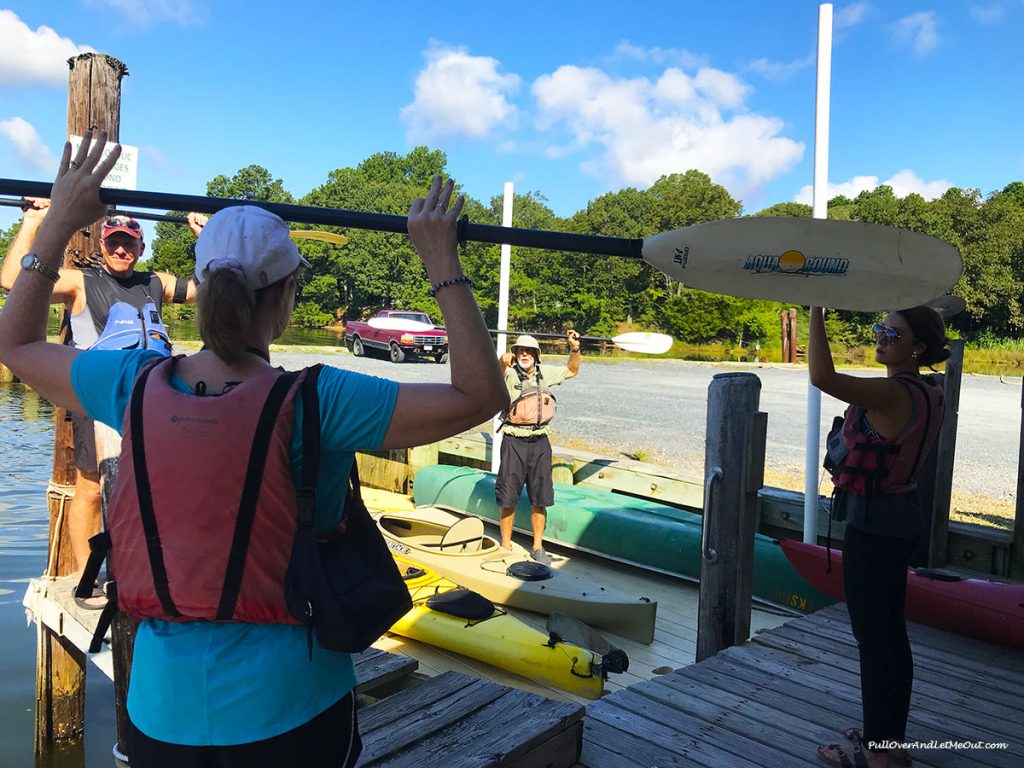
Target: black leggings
(329, 740)
(875, 580)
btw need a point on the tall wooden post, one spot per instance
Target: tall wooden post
(792, 335)
(784, 317)
(935, 485)
(1017, 548)
(734, 472)
(94, 99)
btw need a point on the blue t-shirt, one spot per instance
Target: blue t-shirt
(206, 683)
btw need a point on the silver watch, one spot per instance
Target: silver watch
(33, 262)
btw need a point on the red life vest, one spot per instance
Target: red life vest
(203, 513)
(876, 465)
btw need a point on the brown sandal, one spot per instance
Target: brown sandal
(898, 756)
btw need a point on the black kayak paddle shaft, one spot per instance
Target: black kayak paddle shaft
(630, 248)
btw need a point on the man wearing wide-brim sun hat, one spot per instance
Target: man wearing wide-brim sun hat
(526, 447)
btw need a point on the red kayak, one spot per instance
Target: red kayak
(986, 610)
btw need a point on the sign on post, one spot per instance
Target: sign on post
(124, 173)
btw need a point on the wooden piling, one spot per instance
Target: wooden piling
(94, 100)
(1017, 550)
(562, 468)
(734, 471)
(936, 484)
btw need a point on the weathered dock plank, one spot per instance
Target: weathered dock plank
(462, 722)
(772, 700)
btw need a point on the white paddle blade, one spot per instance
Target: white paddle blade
(316, 234)
(812, 262)
(644, 343)
(948, 306)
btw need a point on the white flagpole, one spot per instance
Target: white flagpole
(502, 340)
(820, 209)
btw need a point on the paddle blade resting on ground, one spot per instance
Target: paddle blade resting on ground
(812, 262)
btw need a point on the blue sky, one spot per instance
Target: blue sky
(571, 99)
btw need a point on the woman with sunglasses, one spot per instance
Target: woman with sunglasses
(888, 430)
(241, 691)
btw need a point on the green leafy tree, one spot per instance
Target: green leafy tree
(254, 182)
(374, 269)
(173, 249)
(787, 209)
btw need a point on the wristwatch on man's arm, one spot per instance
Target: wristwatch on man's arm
(32, 262)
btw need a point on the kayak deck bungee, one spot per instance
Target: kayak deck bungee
(632, 530)
(477, 562)
(979, 608)
(499, 638)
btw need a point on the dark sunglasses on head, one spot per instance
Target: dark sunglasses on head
(130, 223)
(891, 335)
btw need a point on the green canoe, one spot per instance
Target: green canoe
(633, 530)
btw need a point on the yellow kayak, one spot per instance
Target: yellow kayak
(491, 635)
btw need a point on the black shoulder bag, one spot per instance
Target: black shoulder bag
(346, 586)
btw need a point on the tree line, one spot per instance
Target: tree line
(552, 290)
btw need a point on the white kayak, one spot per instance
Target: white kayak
(456, 546)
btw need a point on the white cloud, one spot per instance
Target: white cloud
(903, 183)
(28, 144)
(29, 57)
(647, 128)
(919, 30)
(780, 71)
(988, 14)
(850, 16)
(458, 94)
(149, 12)
(673, 57)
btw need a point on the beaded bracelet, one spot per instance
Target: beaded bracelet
(454, 281)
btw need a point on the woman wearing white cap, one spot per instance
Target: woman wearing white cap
(232, 693)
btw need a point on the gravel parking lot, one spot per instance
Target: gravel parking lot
(657, 409)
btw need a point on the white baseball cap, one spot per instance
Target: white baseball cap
(251, 239)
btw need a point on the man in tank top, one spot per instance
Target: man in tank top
(87, 294)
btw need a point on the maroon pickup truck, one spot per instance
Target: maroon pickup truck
(399, 333)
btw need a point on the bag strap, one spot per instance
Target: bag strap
(306, 490)
(250, 495)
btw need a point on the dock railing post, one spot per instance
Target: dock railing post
(734, 472)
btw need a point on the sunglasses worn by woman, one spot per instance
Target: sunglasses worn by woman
(885, 335)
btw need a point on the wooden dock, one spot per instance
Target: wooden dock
(405, 718)
(771, 701)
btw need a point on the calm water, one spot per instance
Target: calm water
(187, 331)
(26, 449)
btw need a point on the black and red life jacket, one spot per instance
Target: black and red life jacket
(875, 465)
